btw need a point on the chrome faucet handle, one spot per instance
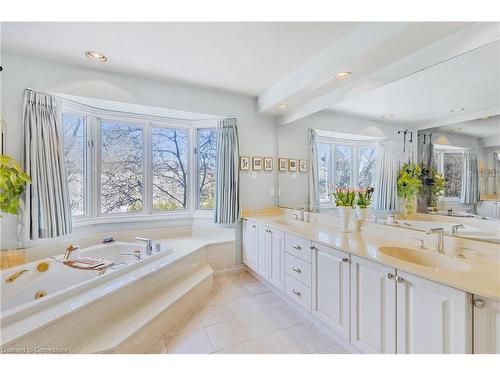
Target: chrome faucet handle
(149, 244)
(455, 228)
(421, 244)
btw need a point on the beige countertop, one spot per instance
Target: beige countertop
(482, 278)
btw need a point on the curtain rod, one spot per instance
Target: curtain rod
(58, 96)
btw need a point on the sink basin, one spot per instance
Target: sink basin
(287, 222)
(425, 259)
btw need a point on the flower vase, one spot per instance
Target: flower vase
(345, 214)
(362, 213)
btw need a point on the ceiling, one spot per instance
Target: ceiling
(242, 57)
(486, 128)
(416, 71)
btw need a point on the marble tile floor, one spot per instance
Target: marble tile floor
(242, 316)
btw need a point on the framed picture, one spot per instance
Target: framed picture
(268, 163)
(302, 165)
(257, 163)
(282, 164)
(244, 163)
(292, 165)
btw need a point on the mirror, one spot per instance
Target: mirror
(442, 117)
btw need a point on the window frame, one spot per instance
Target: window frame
(440, 168)
(355, 146)
(93, 118)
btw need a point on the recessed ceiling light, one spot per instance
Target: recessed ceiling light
(343, 75)
(486, 117)
(388, 115)
(283, 106)
(96, 56)
(459, 109)
(457, 129)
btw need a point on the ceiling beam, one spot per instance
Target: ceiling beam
(463, 41)
(334, 59)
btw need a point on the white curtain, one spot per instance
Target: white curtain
(385, 194)
(313, 172)
(470, 178)
(47, 213)
(226, 173)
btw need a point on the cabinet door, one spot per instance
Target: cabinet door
(331, 289)
(373, 306)
(486, 326)
(277, 259)
(431, 318)
(250, 244)
(263, 247)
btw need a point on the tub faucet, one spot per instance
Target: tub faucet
(69, 250)
(440, 238)
(149, 244)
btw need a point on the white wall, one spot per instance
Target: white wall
(257, 133)
(292, 138)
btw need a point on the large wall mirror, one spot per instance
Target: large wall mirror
(446, 118)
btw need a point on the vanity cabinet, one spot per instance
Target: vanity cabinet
(431, 318)
(264, 252)
(373, 306)
(331, 275)
(250, 243)
(486, 325)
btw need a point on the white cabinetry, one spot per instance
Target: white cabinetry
(486, 326)
(373, 306)
(277, 258)
(250, 243)
(332, 289)
(431, 318)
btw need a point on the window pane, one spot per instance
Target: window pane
(121, 167)
(169, 169)
(343, 162)
(74, 157)
(452, 174)
(366, 166)
(207, 143)
(324, 171)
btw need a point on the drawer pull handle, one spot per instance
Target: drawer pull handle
(390, 276)
(345, 260)
(399, 279)
(296, 247)
(296, 292)
(479, 303)
(297, 269)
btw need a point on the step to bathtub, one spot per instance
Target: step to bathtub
(137, 330)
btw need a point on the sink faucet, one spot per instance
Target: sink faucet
(440, 238)
(149, 244)
(455, 228)
(301, 210)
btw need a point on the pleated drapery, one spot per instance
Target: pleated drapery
(227, 206)
(313, 172)
(385, 194)
(47, 213)
(470, 178)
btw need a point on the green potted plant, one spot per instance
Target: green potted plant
(363, 201)
(12, 183)
(432, 186)
(344, 200)
(408, 186)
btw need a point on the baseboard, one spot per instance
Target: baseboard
(236, 269)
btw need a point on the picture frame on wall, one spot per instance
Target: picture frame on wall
(268, 163)
(292, 165)
(244, 163)
(282, 164)
(302, 165)
(257, 163)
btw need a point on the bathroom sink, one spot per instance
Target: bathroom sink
(425, 259)
(287, 222)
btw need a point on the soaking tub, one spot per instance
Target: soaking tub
(37, 284)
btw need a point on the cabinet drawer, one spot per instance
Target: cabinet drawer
(298, 292)
(298, 246)
(298, 269)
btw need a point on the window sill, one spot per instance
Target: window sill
(199, 214)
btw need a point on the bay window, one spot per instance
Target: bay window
(124, 164)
